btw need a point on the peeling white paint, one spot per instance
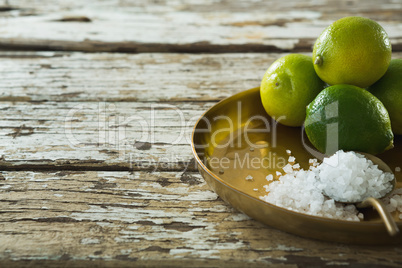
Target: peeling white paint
(107, 224)
(194, 240)
(129, 215)
(238, 217)
(194, 237)
(126, 251)
(119, 25)
(180, 251)
(116, 175)
(281, 247)
(288, 248)
(124, 240)
(113, 26)
(201, 195)
(202, 231)
(89, 240)
(151, 184)
(43, 179)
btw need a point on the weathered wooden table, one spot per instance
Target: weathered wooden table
(98, 100)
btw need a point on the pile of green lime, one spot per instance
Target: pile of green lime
(348, 95)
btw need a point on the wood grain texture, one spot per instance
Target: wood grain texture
(102, 77)
(95, 157)
(156, 218)
(100, 109)
(98, 135)
(52, 76)
(112, 111)
(182, 26)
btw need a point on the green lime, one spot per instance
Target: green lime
(346, 117)
(352, 50)
(389, 91)
(288, 85)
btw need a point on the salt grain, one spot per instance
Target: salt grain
(313, 162)
(394, 201)
(249, 178)
(350, 177)
(345, 176)
(288, 168)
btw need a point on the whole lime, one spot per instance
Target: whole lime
(346, 117)
(352, 50)
(389, 91)
(288, 85)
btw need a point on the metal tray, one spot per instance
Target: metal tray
(228, 143)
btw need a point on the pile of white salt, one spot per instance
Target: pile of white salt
(345, 176)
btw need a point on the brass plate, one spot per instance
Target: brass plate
(229, 143)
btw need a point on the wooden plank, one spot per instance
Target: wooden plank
(98, 136)
(52, 76)
(215, 26)
(163, 219)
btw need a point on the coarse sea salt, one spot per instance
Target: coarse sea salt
(351, 177)
(345, 175)
(270, 177)
(249, 178)
(393, 202)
